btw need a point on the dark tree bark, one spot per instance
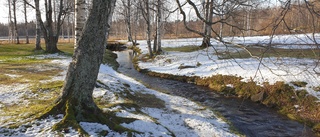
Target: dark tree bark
(159, 27)
(51, 29)
(26, 22)
(14, 6)
(76, 100)
(50, 37)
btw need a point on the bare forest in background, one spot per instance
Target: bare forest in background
(245, 22)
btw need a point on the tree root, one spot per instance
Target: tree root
(70, 118)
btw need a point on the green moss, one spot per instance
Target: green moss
(69, 120)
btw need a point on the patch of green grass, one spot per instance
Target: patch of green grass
(67, 48)
(16, 50)
(20, 50)
(13, 61)
(26, 70)
(189, 48)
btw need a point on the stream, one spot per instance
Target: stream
(249, 118)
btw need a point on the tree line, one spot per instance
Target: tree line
(154, 20)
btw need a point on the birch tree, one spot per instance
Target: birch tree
(76, 101)
(80, 18)
(14, 9)
(208, 14)
(26, 21)
(126, 12)
(159, 26)
(38, 25)
(10, 23)
(145, 8)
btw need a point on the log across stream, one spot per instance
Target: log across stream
(249, 118)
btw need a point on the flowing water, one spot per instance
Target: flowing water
(249, 118)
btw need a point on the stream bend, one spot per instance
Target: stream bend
(249, 118)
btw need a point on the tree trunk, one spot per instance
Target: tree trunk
(159, 26)
(127, 14)
(38, 25)
(155, 40)
(51, 38)
(76, 100)
(68, 29)
(207, 28)
(80, 18)
(26, 22)
(51, 43)
(148, 20)
(136, 17)
(15, 21)
(10, 24)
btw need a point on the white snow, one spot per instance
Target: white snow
(179, 117)
(260, 70)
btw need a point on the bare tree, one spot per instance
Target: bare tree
(76, 100)
(208, 14)
(126, 12)
(26, 22)
(158, 36)
(14, 9)
(10, 23)
(38, 25)
(49, 28)
(145, 8)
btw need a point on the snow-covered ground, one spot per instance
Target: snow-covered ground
(179, 116)
(260, 70)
